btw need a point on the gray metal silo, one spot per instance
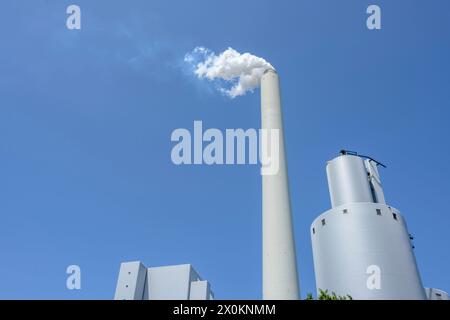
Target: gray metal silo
(362, 246)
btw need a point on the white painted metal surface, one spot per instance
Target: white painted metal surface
(131, 281)
(348, 181)
(360, 247)
(375, 181)
(365, 252)
(280, 278)
(436, 294)
(200, 290)
(180, 282)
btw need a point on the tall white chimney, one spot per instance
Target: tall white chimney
(280, 278)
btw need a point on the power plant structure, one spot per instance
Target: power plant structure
(280, 277)
(436, 294)
(362, 247)
(180, 282)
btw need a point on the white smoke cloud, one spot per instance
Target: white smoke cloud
(235, 73)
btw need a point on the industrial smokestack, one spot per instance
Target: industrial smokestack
(280, 278)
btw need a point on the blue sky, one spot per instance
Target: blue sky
(86, 117)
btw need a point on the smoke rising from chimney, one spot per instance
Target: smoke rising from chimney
(234, 73)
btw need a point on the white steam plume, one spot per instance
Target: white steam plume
(235, 73)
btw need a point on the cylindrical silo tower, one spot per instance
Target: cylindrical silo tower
(280, 279)
(361, 246)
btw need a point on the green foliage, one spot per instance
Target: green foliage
(324, 295)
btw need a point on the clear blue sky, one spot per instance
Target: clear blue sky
(86, 116)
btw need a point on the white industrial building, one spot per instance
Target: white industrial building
(436, 294)
(180, 282)
(361, 246)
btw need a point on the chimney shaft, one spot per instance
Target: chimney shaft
(280, 278)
